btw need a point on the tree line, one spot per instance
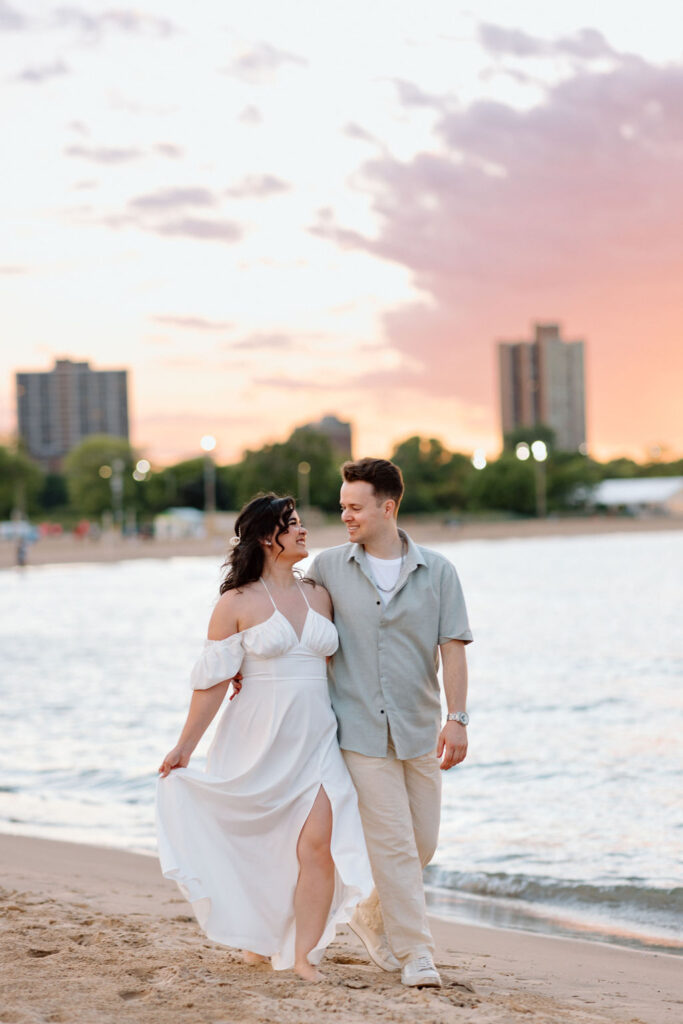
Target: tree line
(438, 481)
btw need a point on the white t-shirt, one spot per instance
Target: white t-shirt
(385, 572)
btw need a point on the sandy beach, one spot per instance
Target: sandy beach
(95, 935)
(423, 530)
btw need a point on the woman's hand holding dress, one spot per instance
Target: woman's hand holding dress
(179, 757)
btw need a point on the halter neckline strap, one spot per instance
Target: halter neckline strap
(272, 601)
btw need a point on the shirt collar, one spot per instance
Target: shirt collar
(414, 556)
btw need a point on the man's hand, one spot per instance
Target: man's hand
(452, 745)
(236, 686)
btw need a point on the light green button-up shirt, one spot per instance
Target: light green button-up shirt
(384, 674)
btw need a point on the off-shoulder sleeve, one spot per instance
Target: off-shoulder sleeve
(220, 660)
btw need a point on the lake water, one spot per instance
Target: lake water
(566, 816)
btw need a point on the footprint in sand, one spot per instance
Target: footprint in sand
(131, 993)
(143, 973)
(461, 984)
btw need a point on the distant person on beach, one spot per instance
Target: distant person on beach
(250, 841)
(22, 552)
(396, 606)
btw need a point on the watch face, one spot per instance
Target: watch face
(459, 716)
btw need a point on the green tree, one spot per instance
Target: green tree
(53, 494)
(21, 480)
(178, 486)
(182, 486)
(674, 468)
(91, 493)
(435, 478)
(623, 467)
(566, 474)
(504, 485)
(275, 467)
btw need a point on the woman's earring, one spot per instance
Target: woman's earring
(269, 543)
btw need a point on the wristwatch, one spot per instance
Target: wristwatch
(458, 716)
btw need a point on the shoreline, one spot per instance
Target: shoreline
(430, 530)
(459, 908)
(98, 934)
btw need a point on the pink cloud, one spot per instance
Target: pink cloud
(586, 44)
(570, 210)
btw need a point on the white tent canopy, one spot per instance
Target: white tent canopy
(643, 492)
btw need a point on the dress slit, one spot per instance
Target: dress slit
(320, 789)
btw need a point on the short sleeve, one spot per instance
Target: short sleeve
(220, 660)
(453, 622)
(313, 571)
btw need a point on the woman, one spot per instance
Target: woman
(267, 843)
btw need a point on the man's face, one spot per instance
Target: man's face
(363, 514)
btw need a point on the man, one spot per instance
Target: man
(396, 605)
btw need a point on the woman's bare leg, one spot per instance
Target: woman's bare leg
(315, 887)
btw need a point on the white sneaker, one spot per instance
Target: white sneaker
(421, 973)
(377, 945)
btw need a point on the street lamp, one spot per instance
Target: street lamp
(478, 459)
(142, 468)
(303, 480)
(208, 444)
(538, 450)
(116, 482)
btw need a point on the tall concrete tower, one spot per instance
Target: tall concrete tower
(542, 382)
(58, 408)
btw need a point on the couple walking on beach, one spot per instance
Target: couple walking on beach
(320, 802)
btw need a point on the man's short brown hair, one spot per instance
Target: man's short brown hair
(385, 477)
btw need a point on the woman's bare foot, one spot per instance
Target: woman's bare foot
(308, 972)
(252, 959)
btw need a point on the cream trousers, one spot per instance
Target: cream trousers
(400, 807)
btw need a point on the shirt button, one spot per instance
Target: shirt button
(382, 711)
(378, 602)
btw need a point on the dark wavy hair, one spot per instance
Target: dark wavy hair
(260, 518)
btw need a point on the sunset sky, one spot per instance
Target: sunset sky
(269, 211)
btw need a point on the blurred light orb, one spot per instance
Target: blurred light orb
(208, 442)
(105, 472)
(539, 450)
(479, 459)
(304, 468)
(522, 451)
(137, 475)
(143, 466)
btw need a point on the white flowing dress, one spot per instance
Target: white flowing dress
(228, 835)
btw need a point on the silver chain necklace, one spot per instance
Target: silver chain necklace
(388, 590)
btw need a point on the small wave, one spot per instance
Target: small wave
(633, 895)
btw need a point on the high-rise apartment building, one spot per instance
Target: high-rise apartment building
(542, 382)
(58, 408)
